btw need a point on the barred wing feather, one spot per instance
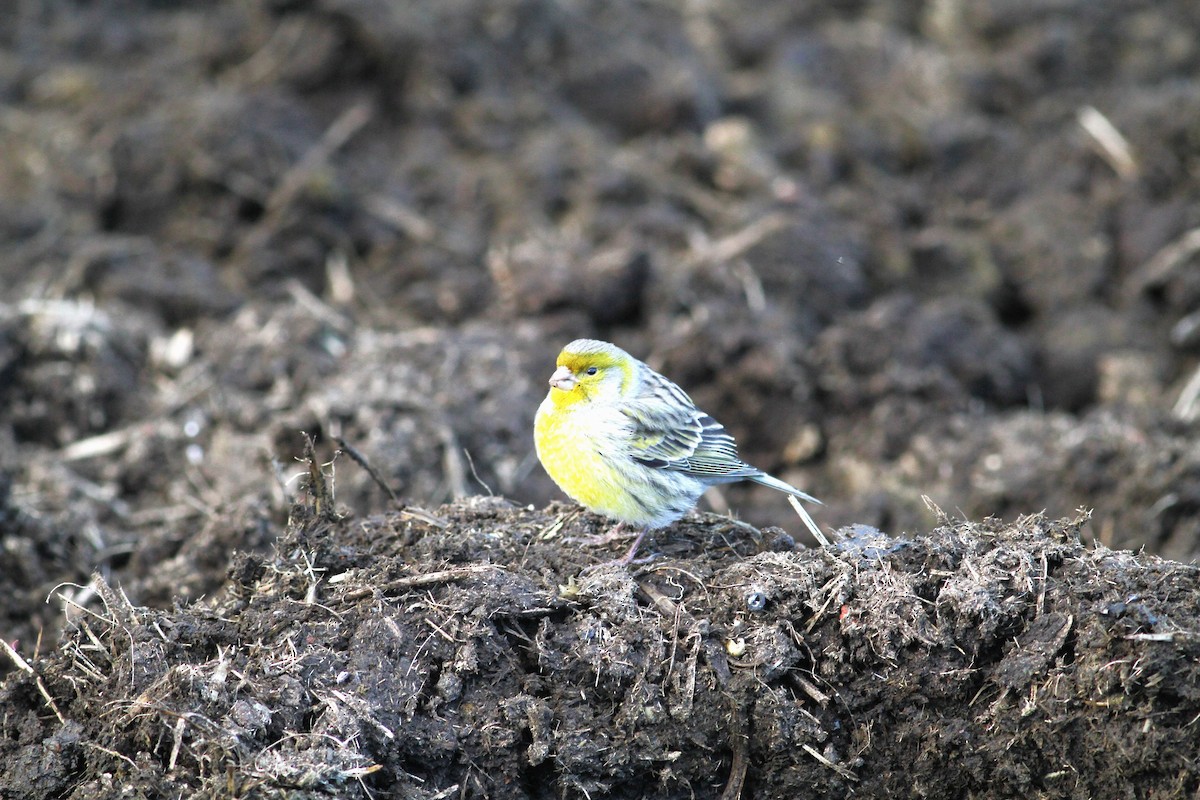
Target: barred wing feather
(669, 432)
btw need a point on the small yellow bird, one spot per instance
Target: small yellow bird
(626, 442)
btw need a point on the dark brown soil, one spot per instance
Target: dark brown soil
(477, 650)
(913, 255)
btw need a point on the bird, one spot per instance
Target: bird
(626, 442)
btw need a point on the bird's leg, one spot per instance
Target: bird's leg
(628, 557)
(617, 533)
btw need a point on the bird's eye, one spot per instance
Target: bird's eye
(592, 370)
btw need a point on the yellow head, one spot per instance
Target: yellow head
(590, 371)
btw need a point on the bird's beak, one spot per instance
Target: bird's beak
(563, 379)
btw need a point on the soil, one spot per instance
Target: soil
(914, 256)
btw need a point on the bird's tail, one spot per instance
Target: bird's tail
(780, 486)
(787, 488)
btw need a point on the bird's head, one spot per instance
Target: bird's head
(589, 370)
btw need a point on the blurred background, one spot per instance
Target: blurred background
(901, 249)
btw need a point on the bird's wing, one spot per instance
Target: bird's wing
(669, 432)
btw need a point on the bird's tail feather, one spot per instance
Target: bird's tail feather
(780, 486)
(787, 488)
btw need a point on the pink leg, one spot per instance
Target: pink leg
(628, 557)
(617, 533)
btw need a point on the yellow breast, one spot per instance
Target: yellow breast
(578, 451)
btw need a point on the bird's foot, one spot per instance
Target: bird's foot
(618, 533)
(627, 559)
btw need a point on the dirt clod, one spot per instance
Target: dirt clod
(352, 664)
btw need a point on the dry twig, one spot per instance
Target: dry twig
(24, 665)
